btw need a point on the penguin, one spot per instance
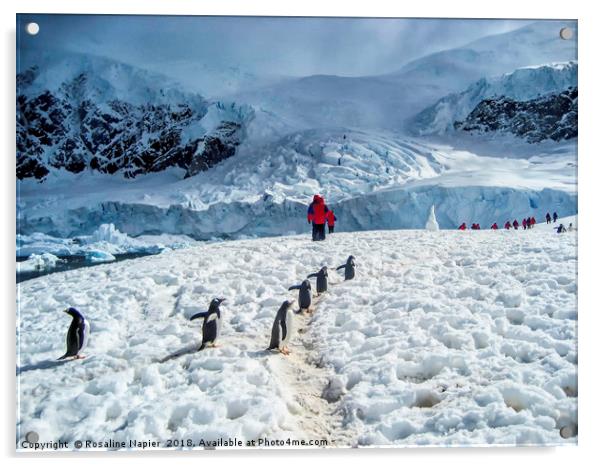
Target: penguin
(212, 323)
(321, 279)
(77, 335)
(349, 267)
(304, 294)
(283, 328)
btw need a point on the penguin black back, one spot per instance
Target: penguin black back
(349, 267)
(304, 294)
(77, 335)
(212, 322)
(321, 279)
(280, 329)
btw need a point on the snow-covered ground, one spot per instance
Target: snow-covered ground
(443, 337)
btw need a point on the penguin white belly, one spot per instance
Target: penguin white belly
(290, 328)
(86, 335)
(217, 325)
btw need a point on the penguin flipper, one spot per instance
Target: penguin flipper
(294, 287)
(312, 275)
(341, 267)
(283, 330)
(199, 315)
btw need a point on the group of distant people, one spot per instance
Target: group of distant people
(318, 214)
(527, 223)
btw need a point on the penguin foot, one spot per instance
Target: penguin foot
(79, 356)
(284, 351)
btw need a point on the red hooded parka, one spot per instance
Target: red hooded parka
(317, 210)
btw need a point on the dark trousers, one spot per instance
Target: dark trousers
(330, 229)
(318, 232)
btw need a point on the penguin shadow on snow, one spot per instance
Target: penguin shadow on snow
(42, 365)
(190, 349)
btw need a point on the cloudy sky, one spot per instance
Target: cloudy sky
(263, 46)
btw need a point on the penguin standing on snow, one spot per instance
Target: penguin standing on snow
(212, 323)
(321, 279)
(304, 294)
(77, 335)
(283, 328)
(349, 267)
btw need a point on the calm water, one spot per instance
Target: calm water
(73, 262)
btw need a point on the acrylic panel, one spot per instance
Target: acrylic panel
(289, 232)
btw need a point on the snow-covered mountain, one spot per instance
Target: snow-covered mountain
(550, 117)
(522, 84)
(89, 113)
(493, 55)
(387, 101)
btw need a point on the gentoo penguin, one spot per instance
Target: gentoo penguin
(349, 267)
(321, 279)
(283, 328)
(304, 294)
(77, 335)
(212, 323)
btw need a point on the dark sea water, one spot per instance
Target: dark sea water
(71, 263)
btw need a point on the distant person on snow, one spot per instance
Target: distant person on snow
(330, 218)
(316, 215)
(555, 217)
(515, 224)
(548, 218)
(561, 229)
(532, 222)
(507, 225)
(494, 226)
(473, 226)
(524, 223)
(462, 227)
(570, 227)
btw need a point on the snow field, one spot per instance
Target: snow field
(453, 338)
(442, 338)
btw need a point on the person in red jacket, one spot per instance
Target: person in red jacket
(532, 222)
(494, 226)
(316, 215)
(515, 224)
(524, 223)
(507, 225)
(330, 218)
(462, 227)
